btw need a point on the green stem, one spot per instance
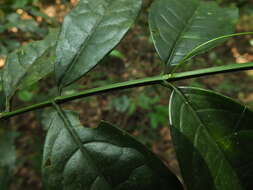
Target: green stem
(131, 84)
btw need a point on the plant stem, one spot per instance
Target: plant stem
(131, 84)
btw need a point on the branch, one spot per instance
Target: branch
(132, 84)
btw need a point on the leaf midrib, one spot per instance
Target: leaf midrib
(174, 46)
(85, 44)
(31, 66)
(194, 112)
(76, 139)
(16, 85)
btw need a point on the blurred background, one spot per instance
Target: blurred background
(142, 111)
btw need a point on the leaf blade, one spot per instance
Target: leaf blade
(95, 31)
(207, 45)
(207, 129)
(179, 26)
(124, 162)
(22, 67)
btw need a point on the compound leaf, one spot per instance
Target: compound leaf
(213, 138)
(107, 159)
(178, 26)
(90, 32)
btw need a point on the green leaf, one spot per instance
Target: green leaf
(207, 45)
(90, 32)
(8, 156)
(105, 158)
(121, 104)
(29, 64)
(213, 138)
(117, 53)
(178, 26)
(25, 95)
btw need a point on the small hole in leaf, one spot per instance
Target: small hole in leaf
(48, 163)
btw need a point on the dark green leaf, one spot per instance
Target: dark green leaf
(90, 32)
(107, 159)
(29, 64)
(8, 156)
(178, 26)
(213, 138)
(208, 45)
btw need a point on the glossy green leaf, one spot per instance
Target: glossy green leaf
(178, 26)
(105, 158)
(213, 138)
(209, 44)
(90, 32)
(8, 156)
(29, 64)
